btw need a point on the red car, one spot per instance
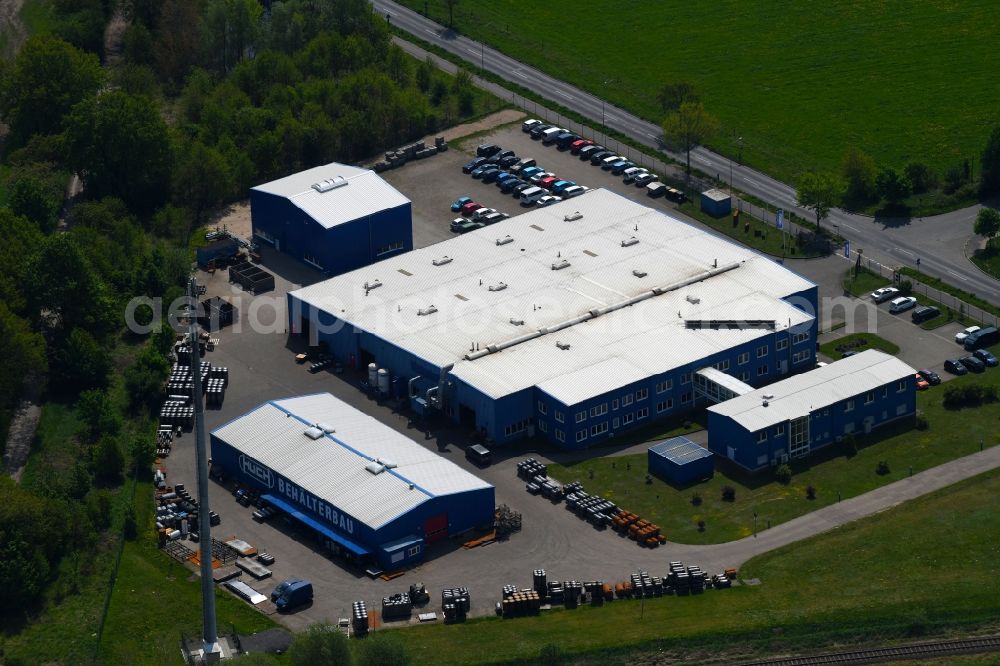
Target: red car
(470, 208)
(922, 384)
(579, 144)
(547, 182)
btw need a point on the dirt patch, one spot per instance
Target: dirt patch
(114, 33)
(491, 121)
(11, 27)
(22, 431)
(235, 218)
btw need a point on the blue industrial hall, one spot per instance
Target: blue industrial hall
(335, 217)
(576, 322)
(370, 494)
(791, 418)
(680, 461)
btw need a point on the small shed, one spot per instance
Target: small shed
(716, 203)
(679, 460)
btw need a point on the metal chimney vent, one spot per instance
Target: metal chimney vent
(562, 345)
(442, 261)
(630, 241)
(639, 273)
(694, 300)
(313, 433)
(373, 284)
(517, 322)
(499, 286)
(505, 240)
(426, 311)
(572, 217)
(559, 265)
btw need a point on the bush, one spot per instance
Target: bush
(701, 525)
(905, 287)
(851, 445)
(696, 499)
(728, 493)
(882, 468)
(783, 474)
(921, 422)
(810, 492)
(968, 395)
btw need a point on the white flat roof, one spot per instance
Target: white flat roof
(803, 394)
(362, 193)
(481, 296)
(333, 467)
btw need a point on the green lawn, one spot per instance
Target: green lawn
(799, 82)
(761, 236)
(831, 471)
(864, 283)
(157, 598)
(988, 261)
(863, 581)
(971, 299)
(857, 342)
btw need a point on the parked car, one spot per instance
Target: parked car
(574, 191)
(596, 158)
(560, 185)
(986, 357)
(973, 363)
(530, 124)
(531, 195)
(564, 140)
(493, 218)
(540, 176)
(984, 337)
(297, 594)
(610, 161)
(458, 203)
(481, 169)
(629, 175)
(480, 213)
(922, 384)
(528, 172)
(955, 367)
(466, 226)
(964, 333)
(924, 313)
(676, 195)
(487, 150)
(548, 200)
(522, 164)
(490, 176)
(538, 130)
(548, 182)
(520, 187)
(656, 190)
(474, 164)
(502, 176)
(929, 375)
(645, 179)
(579, 145)
(587, 151)
(507, 162)
(618, 167)
(884, 294)
(470, 208)
(550, 135)
(508, 185)
(902, 304)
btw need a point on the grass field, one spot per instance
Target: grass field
(799, 82)
(864, 283)
(865, 581)
(858, 342)
(831, 472)
(989, 262)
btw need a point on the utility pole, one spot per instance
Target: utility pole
(211, 650)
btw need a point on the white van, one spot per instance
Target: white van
(608, 161)
(574, 191)
(549, 135)
(656, 189)
(530, 124)
(532, 195)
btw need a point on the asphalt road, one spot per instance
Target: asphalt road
(940, 242)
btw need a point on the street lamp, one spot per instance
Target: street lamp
(755, 524)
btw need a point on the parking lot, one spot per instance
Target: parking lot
(262, 367)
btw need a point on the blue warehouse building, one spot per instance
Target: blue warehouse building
(575, 322)
(335, 218)
(369, 493)
(679, 460)
(792, 417)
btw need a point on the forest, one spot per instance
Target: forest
(190, 105)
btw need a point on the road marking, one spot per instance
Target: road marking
(521, 74)
(706, 161)
(906, 252)
(566, 95)
(433, 32)
(652, 136)
(751, 181)
(847, 226)
(950, 272)
(472, 51)
(608, 116)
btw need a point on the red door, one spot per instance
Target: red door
(436, 528)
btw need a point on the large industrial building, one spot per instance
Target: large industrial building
(790, 418)
(334, 218)
(577, 321)
(369, 493)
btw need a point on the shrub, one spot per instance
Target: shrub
(882, 468)
(783, 474)
(905, 287)
(810, 492)
(696, 499)
(701, 525)
(921, 421)
(968, 395)
(851, 445)
(728, 493)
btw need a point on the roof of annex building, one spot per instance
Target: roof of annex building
(333, 467)
(803, 394)
(577, 298)
(335, 193)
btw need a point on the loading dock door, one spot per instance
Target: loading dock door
(436, 528)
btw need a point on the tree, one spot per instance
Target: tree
(119, 145)
(144, 378)
(233, 27)
(383, 649)
(688, 127)
(23, 352)
(202, 179)
(819, 192)
(859, 173)
(921, 177)
(320, 644)
(108, 460)
(451, 12)
(178, 39)
(892, 185)
(98, 415)
(989, 180)
(21, 239)
(32, 198)
(987, 224)
(80, 362)
(46, 80)
(672, 95)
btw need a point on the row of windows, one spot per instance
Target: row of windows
(800, 356)
(391, 247)
(515, 428)
(310, 259)
(800, 337)
(602, 427)
(779, 430)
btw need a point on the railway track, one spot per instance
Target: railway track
(874, 655)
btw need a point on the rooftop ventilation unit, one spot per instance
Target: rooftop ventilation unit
(329, 184)
(639, 273)
(505, 240)
(499, 286)
(572, 217)
(374, 284)
(562, 345)
(326, 427)
(559, 265)
(314, 433)
(442, 261)
(375, 468)
(630, 241)
(694, 300)
(426, 311)
(768, 396)
(517, 322)
(388, 464)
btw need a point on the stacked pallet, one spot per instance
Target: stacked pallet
(520, 602)
(455, 602)
(623, 520)
(359, 618)
(396, 606)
